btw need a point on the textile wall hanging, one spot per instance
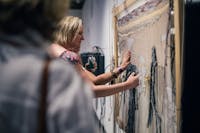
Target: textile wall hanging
(143, 26)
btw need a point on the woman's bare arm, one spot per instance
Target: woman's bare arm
(108, 76)
(107, 90)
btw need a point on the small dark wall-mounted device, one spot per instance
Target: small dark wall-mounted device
(94, 62)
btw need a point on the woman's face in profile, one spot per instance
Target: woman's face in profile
(77, 40)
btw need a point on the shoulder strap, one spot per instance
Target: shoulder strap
(42, 101)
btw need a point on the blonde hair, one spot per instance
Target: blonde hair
(67, 29)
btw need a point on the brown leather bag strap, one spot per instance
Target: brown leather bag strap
(43, 98)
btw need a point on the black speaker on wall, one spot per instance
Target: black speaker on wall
(93, 62)
(191, 68)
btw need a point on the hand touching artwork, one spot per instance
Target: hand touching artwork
(126, 60)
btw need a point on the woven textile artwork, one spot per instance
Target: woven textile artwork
(151, 107)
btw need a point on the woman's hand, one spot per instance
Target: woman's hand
(126, 59)
(133, 80)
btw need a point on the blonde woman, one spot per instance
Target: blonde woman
(67, 43)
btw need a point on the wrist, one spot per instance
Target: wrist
(120, 69)
(117, 71)
(113, 74)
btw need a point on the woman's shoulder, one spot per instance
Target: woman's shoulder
(56, 50)
(70, 56)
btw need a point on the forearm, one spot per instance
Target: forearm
(107, 90)
(108, 76)
(100, 79)
(103, 78)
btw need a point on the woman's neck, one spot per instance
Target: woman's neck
(72, 50)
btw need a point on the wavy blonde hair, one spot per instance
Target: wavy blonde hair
(67, 29)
